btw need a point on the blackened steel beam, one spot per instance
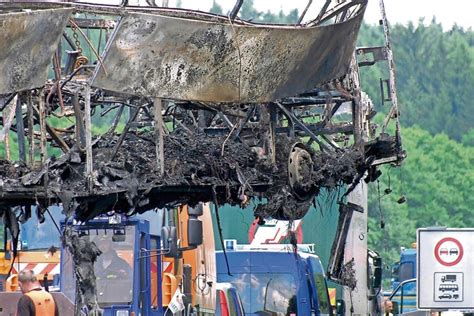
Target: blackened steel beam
(42, 124)
(20, 131)
(79, 127)
(317, 129)
(88, 134)
(160, 153)
(301, 125)
(31, 128)
(127, 127)
(273, 125)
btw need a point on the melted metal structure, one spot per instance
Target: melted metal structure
(189, 59)
(27, 42)
(208, 97)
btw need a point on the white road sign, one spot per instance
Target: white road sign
(445, 265)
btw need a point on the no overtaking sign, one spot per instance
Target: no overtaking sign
(445, 262)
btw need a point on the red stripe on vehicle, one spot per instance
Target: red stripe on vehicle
(49, 268)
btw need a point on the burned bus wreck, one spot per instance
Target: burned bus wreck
(178, 106)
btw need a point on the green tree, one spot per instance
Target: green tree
(248, 12)
(468, 138)
(434, 75)
(216, 8)
(437, 179)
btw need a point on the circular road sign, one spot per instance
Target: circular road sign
(448, 251)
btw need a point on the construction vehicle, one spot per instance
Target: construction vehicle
(314, 229)
(186, 261)
(274, 279)
(166, 252)
(37, 250)
(404, 297)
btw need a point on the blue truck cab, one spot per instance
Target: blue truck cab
(404, 281)
(405, 269)
(135, 286)
(276, 282)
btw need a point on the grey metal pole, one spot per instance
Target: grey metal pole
(42, 120)
(88, 134)
(20, 131)
(31, 129)
(160, 155)
(357, 301)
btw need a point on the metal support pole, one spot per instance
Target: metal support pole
(88, 136)
(7, 147)
(356, 248)
(79, 128)
(202, 119)
(133, 117)
(265, 121)
(31, 129)
(20, 130)
(356, 243)
(160, 154)
(273, 123)
(8, 115)
(42, 120)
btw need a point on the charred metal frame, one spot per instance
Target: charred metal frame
(307, 109)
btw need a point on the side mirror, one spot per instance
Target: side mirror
(195, 226)
(395, 308)
(378, 278)
(119, 235)
(395, 269)
(378, 273)
(340, 307)
(170, 241)
(196, 211)
(194, 232)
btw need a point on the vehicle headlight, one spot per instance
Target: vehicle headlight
(121, 313)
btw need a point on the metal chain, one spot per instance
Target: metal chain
(76, 38)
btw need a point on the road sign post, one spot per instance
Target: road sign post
(445, 263)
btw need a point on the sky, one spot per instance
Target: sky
(398, 11)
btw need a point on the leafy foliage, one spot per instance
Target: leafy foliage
(434, 75)
(248, 12)
(216, 8)
(436, 178)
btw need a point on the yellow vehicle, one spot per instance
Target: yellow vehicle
(38, 250)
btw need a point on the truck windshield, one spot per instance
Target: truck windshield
(113, 268)
(321, 286)
(34, 235)
(265, 293)
(405, 297)
(406, 271)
